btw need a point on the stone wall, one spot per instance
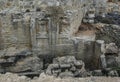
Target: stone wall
(14, 33)
(50, 31)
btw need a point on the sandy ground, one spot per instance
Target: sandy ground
(44, 78)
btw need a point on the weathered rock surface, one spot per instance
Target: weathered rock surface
(30, 64)
(111, 48)
(20, 61)
(109, 33)
(53, 27)
(111, 61)
(8, 77)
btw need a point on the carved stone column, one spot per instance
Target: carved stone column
(33, 33)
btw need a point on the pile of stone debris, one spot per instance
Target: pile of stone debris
(22, 62)
(111, 31)
(110, 18)
(67, 66)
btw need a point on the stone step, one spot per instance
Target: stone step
(29, 74)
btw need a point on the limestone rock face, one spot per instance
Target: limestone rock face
(36, 33)
(20, 61)
(111, 34)
(45, 26)
(111, 48)
(30, 64)
(42, 27)
(111, 61)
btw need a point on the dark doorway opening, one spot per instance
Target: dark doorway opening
(38, 9)
(27, 10)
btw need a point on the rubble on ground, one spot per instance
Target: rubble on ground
(67, 66)
(9, 77)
